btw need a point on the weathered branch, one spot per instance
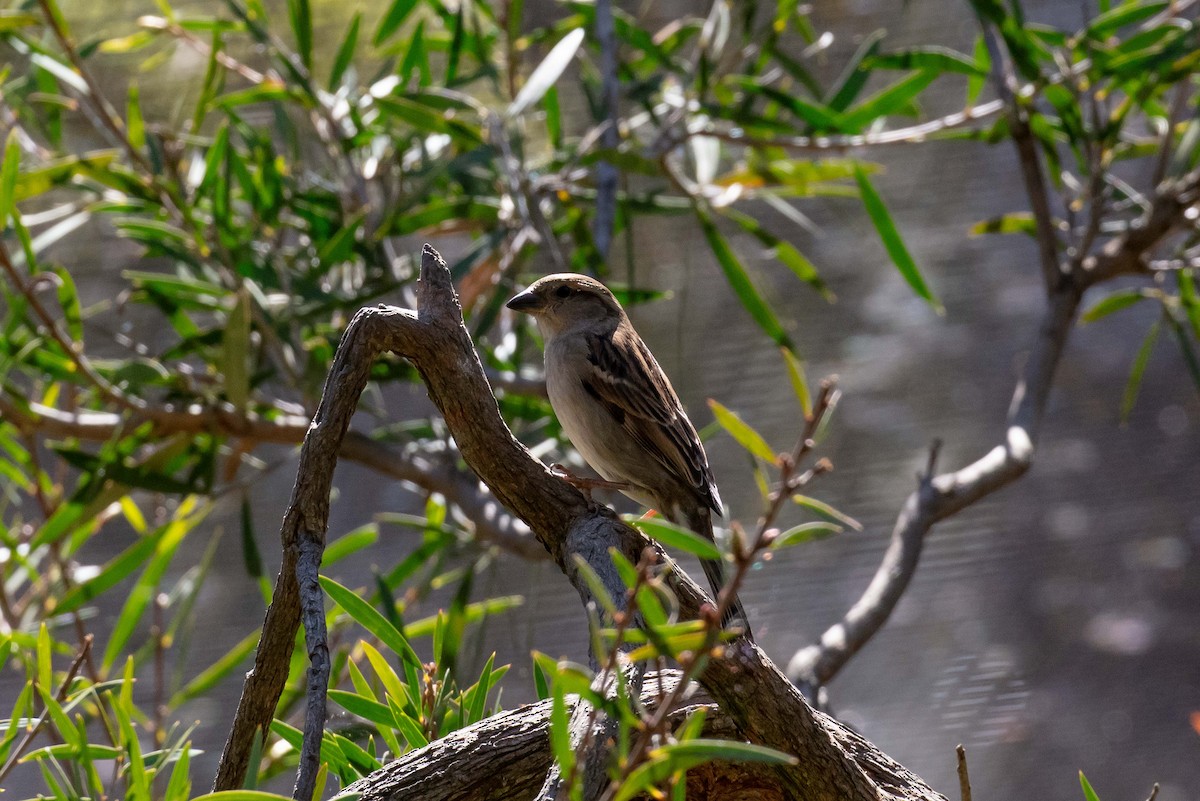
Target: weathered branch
(505, 757)
(939, 497)
(766, 707)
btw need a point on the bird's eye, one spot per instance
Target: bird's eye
(562, 292)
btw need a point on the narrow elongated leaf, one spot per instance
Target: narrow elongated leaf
(236, 350)
(935, 58)
(854, 76)
(370, 619)
(742, 432)
(892, 242)
(805, 532)
(739, 281)
(8, 176)
(345, 53)
(799, 381)
(1134, 383)
(1088, 792)
(1122, 299)
(392, 19)
(547, 73)
(822, 509)
(674, 536)
(1111, 21)
(1018, 222)
(819, 116)
(301, 18)
(729, 750)
(784, 252)
(887, 101)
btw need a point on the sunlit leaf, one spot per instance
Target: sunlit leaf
(892, 242)
(674, 536)
(742, 432)
(739, 281)
(547, 73)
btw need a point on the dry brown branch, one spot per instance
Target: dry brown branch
(749, 688)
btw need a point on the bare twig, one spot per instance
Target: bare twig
(964, 780)
(1031, 165)
(948, 493)
(912, 134)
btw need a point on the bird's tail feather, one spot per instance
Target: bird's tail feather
(735, 613)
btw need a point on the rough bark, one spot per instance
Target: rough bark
(765, 706)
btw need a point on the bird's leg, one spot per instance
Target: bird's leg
(586, 485)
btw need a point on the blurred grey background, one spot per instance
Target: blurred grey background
(1051, 628)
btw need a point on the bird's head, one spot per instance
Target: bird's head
(567, 301)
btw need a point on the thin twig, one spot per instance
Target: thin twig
(964, 780)
(1031, 165)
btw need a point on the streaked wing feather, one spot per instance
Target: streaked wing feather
(629, 381)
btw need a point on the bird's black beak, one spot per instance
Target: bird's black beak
(527, 301)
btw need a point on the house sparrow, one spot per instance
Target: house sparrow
(620, 411)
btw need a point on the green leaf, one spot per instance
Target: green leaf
(1134, 383)
(742, 432)
(1125, 14)
(68, 301)
(799, 381)
(186, 517)
(8, 176)
(1121, 299)
(822, 509)
(1088, 792)
(975, 83)
(674, 536)
(739, 281)
(889, 100)
(217, 671)
(560, 732)
(366, 708)
(135, 124)
(409, 726)
(595, 584)
(1017, 222)
(854, 76)
(693, 752)
(300, 16)
(892, 241)
(236, 350)
(805, 532)
(370, 619)
(345, 53)
(934, 58)
(392, 19)
(111, 574)
(547, 73)
(784, 252)
(819, 116)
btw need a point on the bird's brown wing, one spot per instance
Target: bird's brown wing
(629, 383)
